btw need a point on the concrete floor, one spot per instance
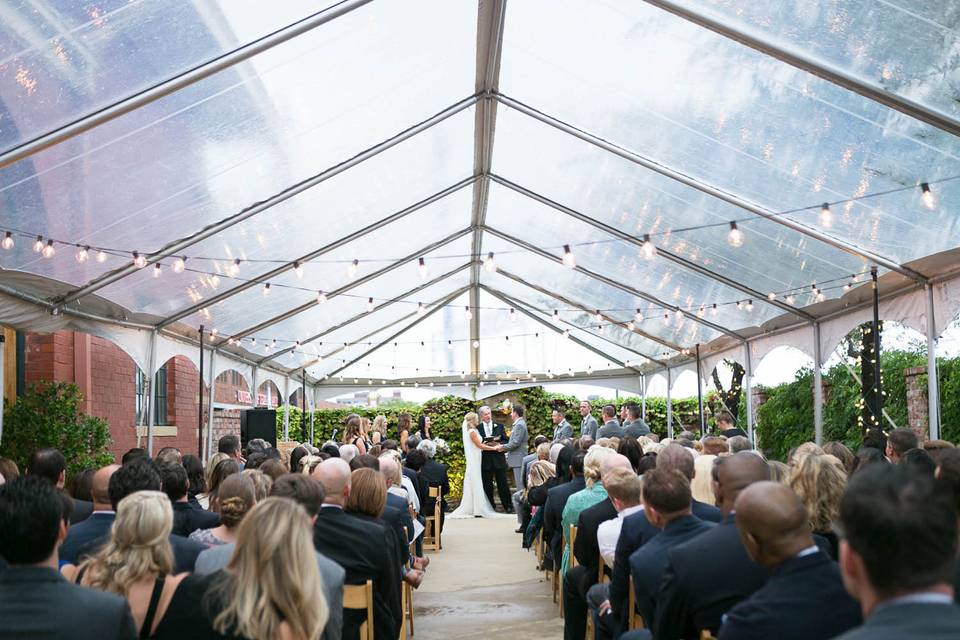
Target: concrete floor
(483, 583)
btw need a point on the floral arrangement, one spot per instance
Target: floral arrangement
(505, 407)
(442, 447)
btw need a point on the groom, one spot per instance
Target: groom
(494, 463)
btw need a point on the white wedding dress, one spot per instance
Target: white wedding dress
(474, 502)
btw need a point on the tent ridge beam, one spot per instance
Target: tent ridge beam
(663, 252)
(711, 190)
(613, 283)
(177, 246)
(351, 285)
(177, 82)
(820, 68)
(336, 244)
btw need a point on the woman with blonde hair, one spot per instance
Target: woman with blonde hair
(308, 464)
(236, 497)
(262, 483)
(378, 430)
(820, 481)
(270, 590)
(215, 459)
(593, 494)
(137, 560)
(702, 485)
(353, 433)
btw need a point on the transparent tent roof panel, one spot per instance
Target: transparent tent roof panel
(730, 116)
(242, 135)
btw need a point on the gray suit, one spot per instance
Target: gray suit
(588, 427)
(332, 574)
(917, 621)
(561, 431)
(516, 449)
(636, 428)
(610, 429)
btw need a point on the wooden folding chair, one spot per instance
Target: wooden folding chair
(360, 596)
(407, 595)
(431, 535)
(706, 635)
(601, 574)
(634, 619)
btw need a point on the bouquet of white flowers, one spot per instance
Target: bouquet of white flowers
(442, 447)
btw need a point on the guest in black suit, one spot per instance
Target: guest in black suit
(364, 546)
(433, 474)
(35, 601)
(556, 501)
(50, 464)
(396, 514)
(97, 526)
(804, 598)
(493, 464)
(187, 517)
(901, 578)
(709, 575)
(726, 428)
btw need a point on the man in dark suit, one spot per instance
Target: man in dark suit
(725, 427)
(396, 513)
(804, 597)
(901, 578)
(51, 465)
(187, 517)
(556, 501)
(35, 600)
(434, 474)
(493, 464)
(365, 549)
(97, 526)
(707, 576)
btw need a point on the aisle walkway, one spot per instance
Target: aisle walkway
(484, 584)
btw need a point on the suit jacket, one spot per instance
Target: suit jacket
(647, 563)
(366, 551)
(81, 510)
(610, 429)
(735, 431)
(36, 602)
(553, 512)
(397, 515)
(412, 476)
(917, 621)
(804, 599)
(188, 518)
(537, 496)
(516, 446)
(525, 466)
(490, 460)
(216, 558)
(561, 431)
(434, 474)
(636, 428)
(704, 579)
(588, 426)
(585, 547)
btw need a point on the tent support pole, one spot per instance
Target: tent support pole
(3, 351)
(256, 390)
(748, 391)
(313, 413)
(933, 382)
(200, 395)
(643, 397)
(669, 406)
(149, 393)
(703, 422)
(817, 386)
(212, 381)
(286, 408)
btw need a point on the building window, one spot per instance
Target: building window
(160, 396)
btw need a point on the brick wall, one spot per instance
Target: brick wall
(918, 417)
(225, 422)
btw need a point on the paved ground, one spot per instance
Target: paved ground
(483, 584)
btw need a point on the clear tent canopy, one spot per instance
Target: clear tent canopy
(454, 193)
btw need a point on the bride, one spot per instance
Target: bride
(474, 502)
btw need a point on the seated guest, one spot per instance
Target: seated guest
(254, 459)
(736, 444)
(79, 485)
(236, 497)
(902, 578)
(363, 547)
(204, 497)
(899, 441)
(920, 461)
(396, 513)
(261, 482)
(273, 469)
(540, 474)
(611, 426)
(714, 445)
(820, 481)
(137, 561)
(365, 461)
(541, 452)
(187, 518)
(134, 454)
(308, 493)
(223, 470)
(435, 475)
(701, 485)
(406, 486)
(169, 455)
(51, 465)
(230, 446)
(631, 448)
(296, 455)
(348, 452)
(726, 429)
(804, 598)
(35, 600)
(867, 456)
(97, 526)
(196, 480)
(556, 501)
(592, 493)
(8, 469)
(705, 577)
(842, 453)
(253, 598)
(624, 492)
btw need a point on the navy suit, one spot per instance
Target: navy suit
(397, 515)
(649, 561)
(553, 514)
(916, 621)
(187, 518)
(704, 578)
(579, 579)
(804, 599)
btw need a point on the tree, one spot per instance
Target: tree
(730, 397)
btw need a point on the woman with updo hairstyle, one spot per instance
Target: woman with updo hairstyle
(262, 483)
(236, 497)
(368, 493)
(137, 560)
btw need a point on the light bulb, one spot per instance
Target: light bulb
(266, 289)
(927, 196)
(648, 248)
(157, 270)
(421, 309)
(139, 261)
(48, 250)
(234, 268)
(179, 265)
(467, 313)
(352, 269)
(253, 342)
(739, 305)
(713, 309)
(735, 237)
(771, 296)
(556, 315)
(568, 258)
(598, 316)
(450, 345)
(321, 297)
(273, 344)
(298, 269)
(369, 305)
(700, 311)
(630, 326)
(599, 328)
(489, 264)
(422, 269)
(566, 333)
(749, 305)
(476, 344)
(820, 296)
(513, 315)
(7, 242)
(101, 256)
(638, 316)
(826, 216)
(83, 254)
(214, 332)
(791, 299)
(38, 245)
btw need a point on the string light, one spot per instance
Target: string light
(352, 269)
(566, 333)
(139, 261)
(735, 237)
(157, 270)
(568, 258)
(7, 242)
(38, 245)
(713, 309)
(678, 312)
(422, 268)
(929, 201)
(556, 315)
(749, 305)
(83, 254)
(826, 216)
(450, 345)
(630, 326)
(298, 269)
(598, 316)
(321, 297)
(476, 344)
(488, 263)
(421, 309)
(179, 265)
(266, 289)
(101, 256)
(648, 248)
(638, 316)
(467, 313)
(700, 311)
(369, 305)
(234, 268)
(48, 250)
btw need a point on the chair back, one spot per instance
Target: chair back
(573, 539)
(634, 619)
(360, 597)
(432, 521)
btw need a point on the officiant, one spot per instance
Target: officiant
(493, 464)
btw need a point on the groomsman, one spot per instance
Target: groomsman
(611, 427)
(516, 446)
(634, 426)
(561, 428)
(588, 426)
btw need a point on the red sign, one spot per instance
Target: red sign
(243, 397)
